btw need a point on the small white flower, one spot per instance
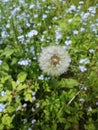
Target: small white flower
(96, 103)
(37, 105)
(75, 32)
(82, 29)
(72, 8)
(32, 33)
(82, 100)
(35, 15)
(8, 25)
(84, 16)
(3, 93)
(55, 18)
(81, 2)
(4, 34)
(33, 121)
(21, 38)
(24, 105)
(91, 50)
(33, 98)
(84, 61)
(31, 6)
(0, 62)
(29, 128)
(33, 93)
(58, 34)
(84, 88)
(82, 68)
(18, 108)
(33, 110)
(89, 109)
(44, 16)
(92, 9)
(54, 60)
(41, 77)
(24, 121)
(68, 42)
(24, 62)
(69, 20)
(2, 107)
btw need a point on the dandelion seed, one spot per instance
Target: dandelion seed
(54, 60)
(75, 32)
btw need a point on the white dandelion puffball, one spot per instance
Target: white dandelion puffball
(54, 60)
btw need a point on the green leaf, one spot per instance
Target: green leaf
(1, 127)
(21, 86)
(10, 109)
(7, 120)
(22, 76)
(28, 95)
(7, 52)
(3, 79)
(62, 120)
(5, 66)
(14, 61)
(54, 126)
(68, 83)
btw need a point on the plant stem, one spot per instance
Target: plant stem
(73, 98)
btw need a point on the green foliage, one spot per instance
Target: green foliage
(30, 99)
(68, 83)
(21, 76)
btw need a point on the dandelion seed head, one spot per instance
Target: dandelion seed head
(54, 60)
